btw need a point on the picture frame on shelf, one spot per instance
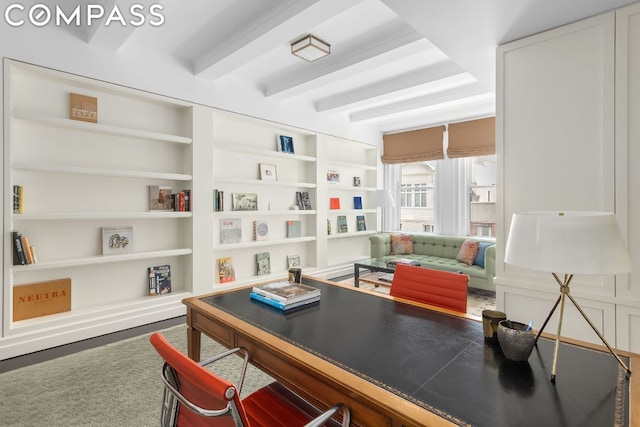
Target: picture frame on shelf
(244, 202)
(83, 108)
(293, 261)
(117, 240)
(356, 181)
(268, 172)
(333, 177)
(285, 144)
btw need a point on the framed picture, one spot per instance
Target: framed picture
(244, 202)
(333, 177)
(285, 144)
(356, 181)
(268, 172)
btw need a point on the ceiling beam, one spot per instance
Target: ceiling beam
(113, 36)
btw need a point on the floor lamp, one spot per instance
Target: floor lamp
(382, 199)
(568, 243)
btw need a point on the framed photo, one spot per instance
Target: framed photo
(244, 202)
(333, 177)
(268, 172)
(285, 144)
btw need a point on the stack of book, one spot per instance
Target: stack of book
(285, 295)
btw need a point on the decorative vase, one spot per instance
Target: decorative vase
(515, 341)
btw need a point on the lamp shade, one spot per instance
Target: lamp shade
(567, 243)
(383, 199)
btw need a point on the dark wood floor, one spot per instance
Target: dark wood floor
(63, 350)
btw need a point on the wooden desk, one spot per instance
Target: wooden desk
(442, 374)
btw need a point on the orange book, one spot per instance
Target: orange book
(27, 249)
(334, 202)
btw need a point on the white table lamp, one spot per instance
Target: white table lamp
(382, 199)
(568, 243)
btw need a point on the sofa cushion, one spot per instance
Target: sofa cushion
(481, 251)
(468, 251)
(401, 244)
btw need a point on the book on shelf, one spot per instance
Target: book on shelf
(334, 203)
(160, 198)
(159, 279)
(117, 240)
(218, 200)
(263, 263)
(226, 272)
(283, 307)
(231, 230)
(356, 181)
(286, 292)
(260, 230)
(357, 202)
(294, 228)
(407, 261)
(328, 227)
(18, 199)
(342, 224)
(83, 108)
(181, 201)
(293, 261)
(26, 247)
(303, 200)
(19, 257)
(361, 224)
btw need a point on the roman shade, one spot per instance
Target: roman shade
(413, 146)
(472, 138)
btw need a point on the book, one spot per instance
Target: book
(260, 230)
(286, 292)
(83, 107)
(226, 273)
(303, 200)
(159, 279)
(357, 202)
(26, 247)
(361, 224)
(19, 258)
(407, 261)
(218, 199)
(18, 199)
(279, 305)
(160, 198)
(388, 277)
(231, 230)
(328, 227)
(263, 263)
(356, 181)
(117, 240)
(294, 228)
(334, 203)
(342, 224)
(293, 261)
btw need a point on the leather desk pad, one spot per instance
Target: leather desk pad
(442, 362)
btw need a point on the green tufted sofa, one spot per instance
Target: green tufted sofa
(440, 252)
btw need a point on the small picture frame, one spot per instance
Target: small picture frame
(356, 181)
(333, 177)
(285, 144)
(244, 202)
(268, 172)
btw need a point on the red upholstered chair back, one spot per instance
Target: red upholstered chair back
(200, 386)
(435, 287)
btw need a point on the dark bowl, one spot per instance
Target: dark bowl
(515, 342)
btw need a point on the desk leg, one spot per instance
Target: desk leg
(356, 276)
(193, 340)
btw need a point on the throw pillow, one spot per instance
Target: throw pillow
(401, 244)
(481, 250)
(468, 251)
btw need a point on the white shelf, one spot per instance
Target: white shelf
(338, 164)
(102, 128)
(350, 211)
(347, 235)
(99, 215)
(231, 214)
(338, 187)
(258, 243)
(75, 170)
(265, 153)
(101, 259)
(266, 182)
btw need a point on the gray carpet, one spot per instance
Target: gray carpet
(114, 385)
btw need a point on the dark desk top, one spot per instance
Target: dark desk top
(442, 362)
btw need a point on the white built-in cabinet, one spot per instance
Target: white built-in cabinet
(565, 141)
(79, 177)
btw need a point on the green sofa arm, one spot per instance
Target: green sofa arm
(380, 244)
(490, 261)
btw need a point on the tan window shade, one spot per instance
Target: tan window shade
(472, 138)
(413, 146)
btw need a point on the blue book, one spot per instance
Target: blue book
(357, 202)
(279, 305)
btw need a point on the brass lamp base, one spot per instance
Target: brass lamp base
(565, 293)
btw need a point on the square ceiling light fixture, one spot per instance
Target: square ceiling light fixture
(310, 48)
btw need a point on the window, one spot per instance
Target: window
(416, 195)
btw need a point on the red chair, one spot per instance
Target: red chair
(440, 288)
(195, 396)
